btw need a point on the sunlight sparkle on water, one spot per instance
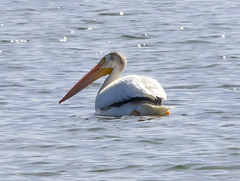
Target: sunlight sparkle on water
(142, 45)
(63, 39)
(19, 41)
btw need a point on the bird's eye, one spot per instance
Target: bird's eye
(111, 58)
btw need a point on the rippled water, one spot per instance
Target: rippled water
(191, 47)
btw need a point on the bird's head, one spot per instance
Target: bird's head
(112, 60)
(104, 67)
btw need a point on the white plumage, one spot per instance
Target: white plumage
(129, 95)
(129, 87)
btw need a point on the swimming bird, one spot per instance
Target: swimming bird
(130, 95)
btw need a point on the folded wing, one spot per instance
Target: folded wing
(128, 87)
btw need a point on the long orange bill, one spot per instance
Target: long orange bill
(90, 77)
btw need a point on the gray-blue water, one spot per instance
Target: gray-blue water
(191, 47)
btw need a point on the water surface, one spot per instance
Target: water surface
(191, 47)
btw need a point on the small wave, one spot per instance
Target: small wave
(112, 14)
(215, 167)
(41, 174)
(185, 87)
(180, 167)
(133, 37)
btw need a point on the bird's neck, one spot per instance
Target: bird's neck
(114, 75)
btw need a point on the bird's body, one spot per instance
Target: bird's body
(129, 95)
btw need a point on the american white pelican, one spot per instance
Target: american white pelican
(129, 95)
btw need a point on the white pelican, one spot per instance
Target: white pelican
(129, 95)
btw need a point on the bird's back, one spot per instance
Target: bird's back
(128, 87)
